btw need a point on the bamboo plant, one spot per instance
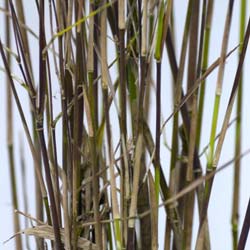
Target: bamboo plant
(99, 156)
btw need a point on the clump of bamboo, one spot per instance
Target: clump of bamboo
(98, 152)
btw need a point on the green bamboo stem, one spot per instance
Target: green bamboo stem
(211, 160)
(77, 126)
(178, 87)
(238, 136)
(209, 16)
(159, 31)
(218, 91)
(219, 84)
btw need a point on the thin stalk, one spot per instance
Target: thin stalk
(144, 45)
(178, 87)
(147, 234)
(55, 221)
(115, 207)
(24, 187)
(201, 37)
(188, 220)
(123, 103)
(90, 64)
(134, 192)
(210, 161)
(154, 212)
(167, 241)
(40, 129)
(178, 92)
(105, 79)
(191, 80)
(9, 126)
(95, 72)
(78, 120)
(157, 138)
(245, 229)
(93, 101)
(189, 201)
(21, 18)
(163, 23)
(22, 55)
(133, 67)
(54, 145)
(204, 66)
(157, 129)
(66, 91)
(238, 136)
(67, 243)
(92, 74)
(95, 187)
(219, 83)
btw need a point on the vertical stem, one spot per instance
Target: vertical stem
(189, 199)
(54, 145)
(24, 187)
(123, 101)
(209, 15)
(158, 129)
(10, 144)
(236, 188)
(245, 229)
(157, 137)
(39, 120)
(115, 207)
(104, 79)
(219, 83)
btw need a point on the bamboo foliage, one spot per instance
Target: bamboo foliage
(101, 171)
